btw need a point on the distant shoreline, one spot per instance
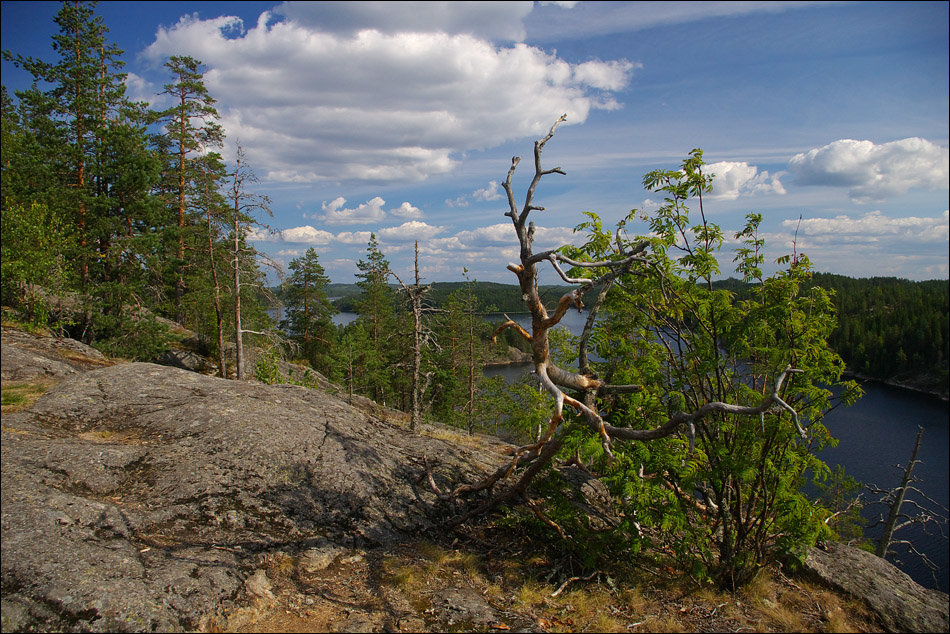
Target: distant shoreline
(943, 396)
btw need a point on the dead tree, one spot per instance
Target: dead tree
(420, 338)
(897, 519)
(244, 206)
(629, 258)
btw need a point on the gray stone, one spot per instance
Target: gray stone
(901, 603)
(140, 497)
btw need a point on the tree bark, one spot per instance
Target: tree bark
(895, 509)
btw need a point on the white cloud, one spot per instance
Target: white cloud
(369, 212)
(598, 18)
(874, 172)
(405, 210)
(605, 75)
(873, 227)
(494, 235)
(316, 99)
(734, 179)
(872, 244)
(408, 231)
(306, 234)
(353, 237)
(484, 194)
(488, 193)
(481, 19)
(139, 89)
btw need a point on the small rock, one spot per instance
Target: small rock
(320, 558)
(259, 586)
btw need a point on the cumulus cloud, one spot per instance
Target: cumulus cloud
(405, 210)
(408, 231)
(734, 179)
(369, 212)
(473, 18)
(874, 171)
(489, 193)
(493, 235)
(376, 92)
(873, 227)
(484, 194)
(605, 75)
(868, 245)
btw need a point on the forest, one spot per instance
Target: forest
(888, 328)
(125, 228)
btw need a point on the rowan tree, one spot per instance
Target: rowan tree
(695, 407)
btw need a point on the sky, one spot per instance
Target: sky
(401, 118)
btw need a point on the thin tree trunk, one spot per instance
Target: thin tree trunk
(180, 281)
(238, 334)
(222, 363)
(895, 510)
(416, 346)
(471, 368)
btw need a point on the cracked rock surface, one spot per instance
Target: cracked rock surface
(141, 497)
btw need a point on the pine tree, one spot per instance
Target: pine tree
(191, 128)
(81, 151)
(376, 309)
(309, 312)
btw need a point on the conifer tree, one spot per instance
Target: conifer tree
(81, 150)
(376, 309)
(192, 128)
(309, 312)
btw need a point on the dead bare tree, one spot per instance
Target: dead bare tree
(420, 338)
(629, 258)
(244, 206)
(897, 519)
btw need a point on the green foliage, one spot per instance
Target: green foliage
(97, 209)
(733, 501)
(267, 369)
(33, 255)
(132, 337)
(892, 328)
(309, 312)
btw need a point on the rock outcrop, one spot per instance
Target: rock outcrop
(900, 602)
(138, 497)
(24, 356)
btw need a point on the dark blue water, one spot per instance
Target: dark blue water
(877, 433)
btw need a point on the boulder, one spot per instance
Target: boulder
(25, 356)
(141, 497)
(901, 603)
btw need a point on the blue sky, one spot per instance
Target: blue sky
(402, 118)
